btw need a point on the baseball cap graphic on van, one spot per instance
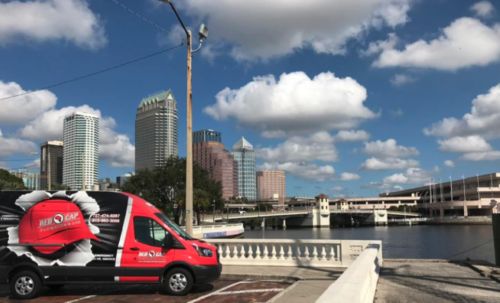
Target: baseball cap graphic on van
(53, 223)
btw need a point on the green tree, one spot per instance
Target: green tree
(165, 188)
(9, 181)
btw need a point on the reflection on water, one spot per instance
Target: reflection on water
(420, 241)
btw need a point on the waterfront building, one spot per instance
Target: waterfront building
(271, 185)
(51, 164)
(81, 151)
(472, 196)
(31, 180)
(209, 153)
(155, 130)
(244, 155)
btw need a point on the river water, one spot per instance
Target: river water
(455, 242)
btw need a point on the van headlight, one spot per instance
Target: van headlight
(202, 251)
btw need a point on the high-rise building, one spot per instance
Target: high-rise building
(245, 157)
(155, 130)
(51, 164)
(271, 185)
(81, 151)
(206, 135)
(209, 153)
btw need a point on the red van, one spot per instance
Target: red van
(57, 238)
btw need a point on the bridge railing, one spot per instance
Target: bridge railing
(290, 252)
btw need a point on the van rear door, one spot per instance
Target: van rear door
(143, 251)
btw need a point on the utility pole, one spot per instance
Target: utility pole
(203, 34)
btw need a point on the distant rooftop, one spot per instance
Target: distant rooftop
(157, 97)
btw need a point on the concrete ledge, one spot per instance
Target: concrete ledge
(359, 282)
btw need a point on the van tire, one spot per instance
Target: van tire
(25, 284)
(177, 281)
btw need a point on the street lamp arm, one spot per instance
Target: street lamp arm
(199, 47)
(178, 16)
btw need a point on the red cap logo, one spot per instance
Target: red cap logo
(53, 223)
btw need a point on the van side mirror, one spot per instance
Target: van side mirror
(168, 241)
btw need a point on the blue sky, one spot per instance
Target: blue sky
(349, 98)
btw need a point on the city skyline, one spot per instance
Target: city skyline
(344, 105)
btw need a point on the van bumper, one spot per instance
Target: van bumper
(206, 273)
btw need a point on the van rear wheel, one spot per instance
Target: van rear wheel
(25, 284)
(177, 281)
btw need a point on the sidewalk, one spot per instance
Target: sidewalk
(310, 282)
(436, 281)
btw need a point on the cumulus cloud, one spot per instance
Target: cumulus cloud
(70, 20)
(449, 163)
(14, 146)
(464, 144)
(294, 103)
(482, 156)
(388, 149)
(114, 148)
(483, 9)
(413, 175)
(347, 176)
(19, 110)
(464, 43)
(401, 79)
(351, 135)
(309, 171)
(319, 146)
(388, 155)
(263, 29)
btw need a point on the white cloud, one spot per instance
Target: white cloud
(377, 47)
(294, 103)
(14, 146)
(19, 110)
(483, 119)
(352, 135)
(70, 20)
(483, 9)
(401, 79)
(413, 175)
(307, 171)
(464, 43)
(115, 148)
(449, 163)
(388, 149)
(347, 176)
(318, 146)
(482, 156)
(388, 163)
(263, 29)
(35, 164)
(464, 144)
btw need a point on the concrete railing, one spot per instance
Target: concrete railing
(289, 252)
(358, 282)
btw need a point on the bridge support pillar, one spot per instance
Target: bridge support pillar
(321, 213)
(263, 224)
(441, 212)
(284, 224)
(466, 211)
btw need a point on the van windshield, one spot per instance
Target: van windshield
(174, 226)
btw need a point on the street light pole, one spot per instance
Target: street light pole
(203, 34)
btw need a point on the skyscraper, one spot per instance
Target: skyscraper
(271, 185)
(245, 157)
(51, 164)
(209, 153)
(81, 151)
(155, 130)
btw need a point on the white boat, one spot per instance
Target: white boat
(218, 231)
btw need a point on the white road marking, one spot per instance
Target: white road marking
(216, 292)
(247, 291)
(81, 299)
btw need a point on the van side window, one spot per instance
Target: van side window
(149, 232)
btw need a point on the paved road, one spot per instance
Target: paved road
(417, 281)
(221, 291)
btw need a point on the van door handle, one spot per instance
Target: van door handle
(134, 248)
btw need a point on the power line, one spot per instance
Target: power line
(98, 72)
(140, 16)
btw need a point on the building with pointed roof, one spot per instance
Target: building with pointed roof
(244, 155)
(156, 130)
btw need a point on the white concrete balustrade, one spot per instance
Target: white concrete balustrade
(290, 252)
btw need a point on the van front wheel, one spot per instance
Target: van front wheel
(25, 284)
(178, 282)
